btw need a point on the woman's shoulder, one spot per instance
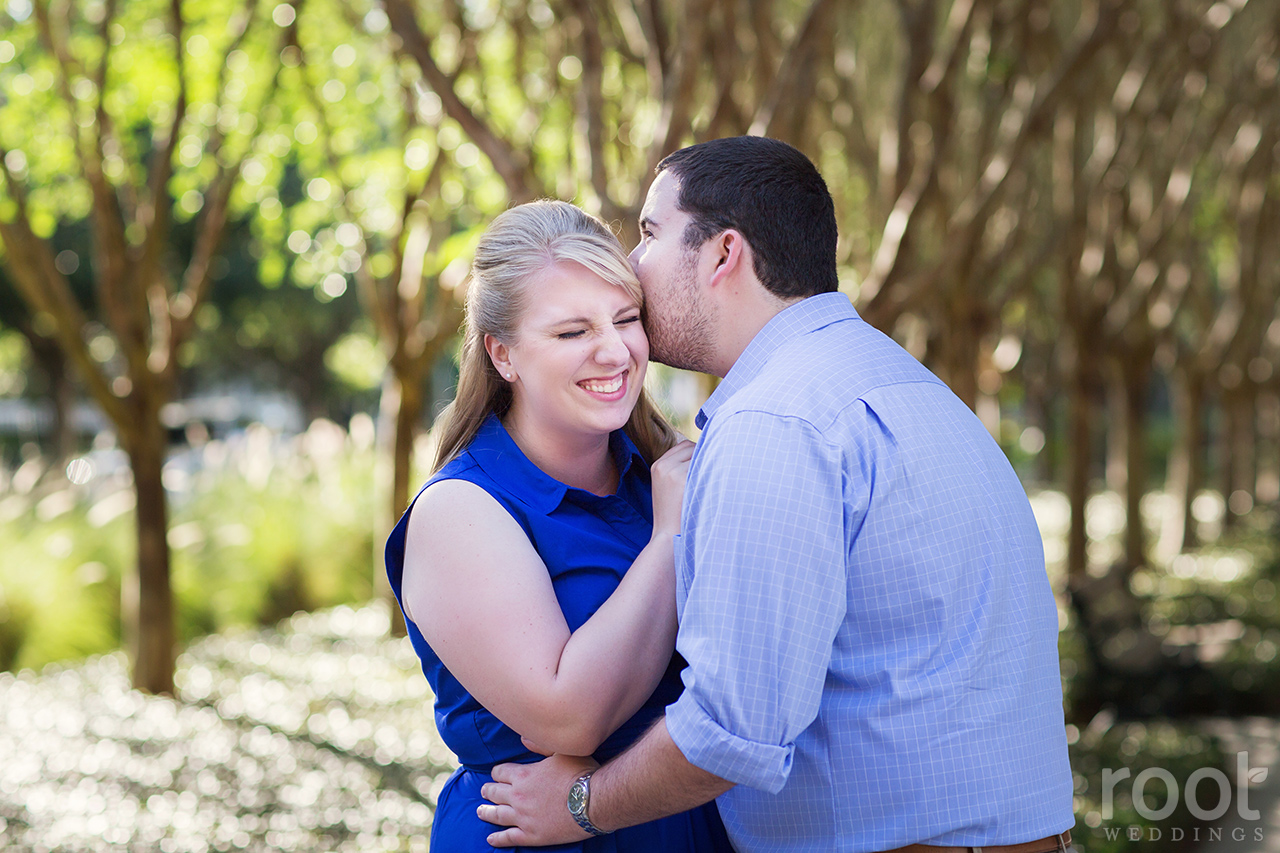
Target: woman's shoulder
(463, 486)
(458, 490)
(456, 508)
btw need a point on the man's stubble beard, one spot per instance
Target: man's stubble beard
(682, 333)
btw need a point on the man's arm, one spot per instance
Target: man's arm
(762, 610)
(652, 779)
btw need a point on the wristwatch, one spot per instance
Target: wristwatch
(579, 795)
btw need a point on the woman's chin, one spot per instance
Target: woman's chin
(613, 419)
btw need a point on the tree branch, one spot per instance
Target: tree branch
(679, 85)
(772, 116)
(44, 289)
(1090, 38)
(121, 308)
(212, 223)
(506, 162)
(592, 107)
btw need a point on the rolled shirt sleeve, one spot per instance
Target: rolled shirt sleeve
(762, 566)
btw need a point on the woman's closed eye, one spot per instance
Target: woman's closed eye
(578, 333)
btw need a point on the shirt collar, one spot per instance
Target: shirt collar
(807, 315)
(497, 453)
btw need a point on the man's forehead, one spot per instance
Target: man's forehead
(660, 202)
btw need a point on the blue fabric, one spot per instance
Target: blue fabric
(587, 543)
(870, 633)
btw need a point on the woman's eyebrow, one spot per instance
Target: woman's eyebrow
(569, 321)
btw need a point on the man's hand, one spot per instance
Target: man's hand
(532, 799)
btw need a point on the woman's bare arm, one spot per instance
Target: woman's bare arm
(482, 597)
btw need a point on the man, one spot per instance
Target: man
(871, 637)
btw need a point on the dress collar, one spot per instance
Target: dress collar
(807, 315)
(497, 453)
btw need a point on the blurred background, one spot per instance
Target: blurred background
(234, 237)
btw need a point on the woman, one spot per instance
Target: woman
(535, 569)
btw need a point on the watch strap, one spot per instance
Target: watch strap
(584, 783)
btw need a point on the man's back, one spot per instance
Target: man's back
(871, 635)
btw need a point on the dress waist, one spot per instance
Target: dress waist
(614, 744)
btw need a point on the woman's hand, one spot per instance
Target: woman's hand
(668, 475)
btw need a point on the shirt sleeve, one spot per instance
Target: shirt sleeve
(766, 593)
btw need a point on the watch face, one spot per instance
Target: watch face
(578, 798)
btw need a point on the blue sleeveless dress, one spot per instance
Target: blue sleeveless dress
(587, 543)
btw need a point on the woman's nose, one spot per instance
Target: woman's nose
(612, 349)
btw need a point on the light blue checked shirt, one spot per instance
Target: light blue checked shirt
(871, 637)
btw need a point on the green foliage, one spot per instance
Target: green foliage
(1179, 748)
(59, 582)
(1218, 606)
(266, 528)
(41, 124)
(281, 531)
(1224, 598)
(357, 361)
(15, 361)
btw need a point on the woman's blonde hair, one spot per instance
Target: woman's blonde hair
(519, 244)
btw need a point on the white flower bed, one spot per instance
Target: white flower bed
(315, 737)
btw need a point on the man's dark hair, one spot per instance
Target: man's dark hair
(771, 193)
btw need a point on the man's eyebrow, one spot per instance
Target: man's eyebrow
(646, 223)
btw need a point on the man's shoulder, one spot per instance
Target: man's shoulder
(822, 376)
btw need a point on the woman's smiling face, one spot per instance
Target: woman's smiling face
(579, 355)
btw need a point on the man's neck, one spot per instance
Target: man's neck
(743, 321)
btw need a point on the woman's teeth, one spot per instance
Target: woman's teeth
(603, 387)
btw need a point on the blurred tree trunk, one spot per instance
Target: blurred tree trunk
(1117, 461)
(405, 393)
(400, 412)
(1041, 409)
(52, 362)
(1081, 420)
(415, 314)
(149, 313)
(147, 606)
(1237, 457)
(1186, 462)
(1135, 384)
(408, 417)
(1267, 486)
(1071, 201)
(977, 190)
(961, 342)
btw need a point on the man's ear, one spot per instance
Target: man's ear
(731, 253)
(500, 355)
